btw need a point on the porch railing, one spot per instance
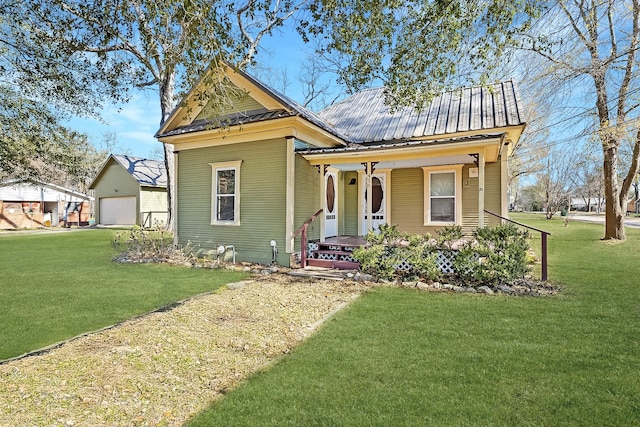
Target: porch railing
(543, 239)
(303, 238)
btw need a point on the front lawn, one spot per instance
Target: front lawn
(55, 286)
(405, 357)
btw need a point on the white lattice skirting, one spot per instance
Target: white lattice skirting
(444, 259)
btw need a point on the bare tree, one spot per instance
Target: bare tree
(558, 182)
(591, 49)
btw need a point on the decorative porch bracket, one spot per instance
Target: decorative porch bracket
(543, 239)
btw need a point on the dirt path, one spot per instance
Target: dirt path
(161, 369)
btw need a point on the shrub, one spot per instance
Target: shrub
(391, 254)
(154, 244)
(496, 254)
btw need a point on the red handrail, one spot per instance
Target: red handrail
(303, 239)
(543, 238)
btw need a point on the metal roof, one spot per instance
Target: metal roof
(150, 173)
(291, 108)
(384, 145)
(13, 190)
(230, 120)
(364, 117)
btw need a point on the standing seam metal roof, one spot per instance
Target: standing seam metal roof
(364, 117)
(147, 172)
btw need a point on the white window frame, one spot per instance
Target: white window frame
(215, 168)
(427, 172)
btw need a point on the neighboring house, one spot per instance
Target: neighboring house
(130, 190)
(31, 203)
(592, 204)
(250, 175)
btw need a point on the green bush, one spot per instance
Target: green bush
(495, 255)
(391, 254)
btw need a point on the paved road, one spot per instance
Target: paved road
(630, 222)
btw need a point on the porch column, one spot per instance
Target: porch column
(323, 201)
(480, 189)
(290, 197)
(369, 198)
(174, 199)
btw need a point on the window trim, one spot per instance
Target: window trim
(427, 172)
(222, 166)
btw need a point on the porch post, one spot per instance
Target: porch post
(481, 189)
(174, 199)
(369, 197)
(290, 197)
(323, 201)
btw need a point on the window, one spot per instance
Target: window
(442, 203)
(225, 198)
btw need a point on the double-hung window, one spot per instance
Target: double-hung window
(225, 197)
(442, 204)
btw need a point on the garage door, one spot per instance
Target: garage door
(118, 211)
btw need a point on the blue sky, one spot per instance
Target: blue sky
(135, 123)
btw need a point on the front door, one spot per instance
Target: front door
(331, 204)
(378, 202)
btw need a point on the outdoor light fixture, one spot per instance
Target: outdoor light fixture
(352, 182)
(274, 252)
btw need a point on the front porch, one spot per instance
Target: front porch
(334, 252)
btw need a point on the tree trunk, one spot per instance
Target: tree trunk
(167, 89)
(614, 216)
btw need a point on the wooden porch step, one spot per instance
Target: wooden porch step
(332, 263)
(342, 245)
(333, 252)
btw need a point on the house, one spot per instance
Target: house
(590, 204)
(249, 174)
(129, 191)
(32, 203)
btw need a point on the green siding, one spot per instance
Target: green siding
(407, 200)
(154, 200)
(115, 181)
(469, 200)
(307, 198)
(350, 203)
(407, 195)
(491, 196)
(262, 199)
(241, 103)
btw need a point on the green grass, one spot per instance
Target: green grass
(403, 357)
(59, 285)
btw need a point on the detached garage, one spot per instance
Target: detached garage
(130, 191)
